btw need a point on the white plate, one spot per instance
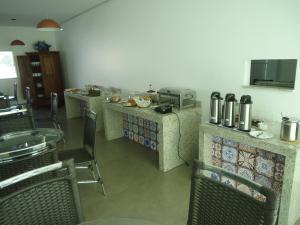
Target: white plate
(260, 134)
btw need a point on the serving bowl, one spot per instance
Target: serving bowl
(142, 102)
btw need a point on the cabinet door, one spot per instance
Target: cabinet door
(26, 74)
(50, 70)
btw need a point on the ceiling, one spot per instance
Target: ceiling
(30, 12)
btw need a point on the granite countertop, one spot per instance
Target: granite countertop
(272, 143)
(84, 97)
(149, 112)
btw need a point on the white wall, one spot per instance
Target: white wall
(27, 34)
(198, 44)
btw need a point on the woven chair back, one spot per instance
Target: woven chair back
(54, 201)
(27, 163)
(215, 203)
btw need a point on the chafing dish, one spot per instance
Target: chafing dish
(180, 98)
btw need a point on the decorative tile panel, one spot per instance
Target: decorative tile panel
(229, 154)
(230, 143)
(261, 166)
(140, 130)
(246, 159)
(216, 150)
(135, 137)
(229, 167)
(246, 173)
(265, 166)
(228, 181)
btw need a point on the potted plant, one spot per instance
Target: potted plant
(41, 46)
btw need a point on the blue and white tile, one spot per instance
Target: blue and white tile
(134, 119)
(228, 181)
(135, 128)
(126, 133)
(147, 142)
(229, 167)
(215, 176)
(265, 181)
(125, 124)
(141, 140)
(141, 122)
(266, 154)
(130, 135)
(153, 135)
(135, 137)
(280, 158)
(153, 145)
(130, 118)
(146, 124)
(153, 126)
(230, 143)
(141, 131)
(265, 166)
(217, 139)
(229, 154)
(130, 127)
(246, 173)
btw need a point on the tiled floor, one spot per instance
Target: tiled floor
(135, 187)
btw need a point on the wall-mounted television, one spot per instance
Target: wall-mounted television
(273, 72)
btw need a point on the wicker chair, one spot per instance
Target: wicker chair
(216, 203)
(17, 166)
(51, 202)
(85, 157)
(51, 119)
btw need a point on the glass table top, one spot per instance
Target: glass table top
(13, 110)
(26, 142)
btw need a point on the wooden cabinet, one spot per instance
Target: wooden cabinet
(41, 71)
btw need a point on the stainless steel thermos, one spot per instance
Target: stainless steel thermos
(215, 115)
(229, 108)
(289, 129)
(245, 116)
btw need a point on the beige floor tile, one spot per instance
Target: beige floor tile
(135, 187)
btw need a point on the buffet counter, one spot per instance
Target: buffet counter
(270, 162)
(173, 135)
(76, 102)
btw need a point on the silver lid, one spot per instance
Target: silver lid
(290, 119)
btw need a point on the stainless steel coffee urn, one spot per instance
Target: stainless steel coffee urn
(215, 108)
(245, 118)
(229, 108)
(289, 129)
